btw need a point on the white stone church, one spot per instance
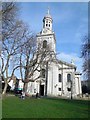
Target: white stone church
(59, 78)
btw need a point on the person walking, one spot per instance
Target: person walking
(36, 95)
(23, 95)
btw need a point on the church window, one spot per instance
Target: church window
(44, 44)
(60, 77)
(49, 25)
(68, 77)
(43, 73)
(46, 24)
(59, 89)
(34, 90)
(46, 21)
(69, 89)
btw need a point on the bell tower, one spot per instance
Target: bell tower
(47, 21)
(46, 36)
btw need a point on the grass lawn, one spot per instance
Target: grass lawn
(0, 108)
(14, 107)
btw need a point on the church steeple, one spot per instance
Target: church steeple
(47, 21)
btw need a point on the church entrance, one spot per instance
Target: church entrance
(42, 90)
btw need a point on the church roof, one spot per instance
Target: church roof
(48, 16)
(77, 73)
(66, 63)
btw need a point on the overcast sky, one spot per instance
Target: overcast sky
(70, 24)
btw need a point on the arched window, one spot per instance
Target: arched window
(46, 24)
(44, 44)
(60, 77)
(59, 89)
(68, 77)
(43, 73)
(68, 89)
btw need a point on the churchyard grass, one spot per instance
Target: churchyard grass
(14, 107)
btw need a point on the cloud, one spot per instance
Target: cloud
(82, 29)
(68, 57)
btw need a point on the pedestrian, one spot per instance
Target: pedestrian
(23, 95)
(36, 95)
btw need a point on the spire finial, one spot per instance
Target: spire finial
(48, 11)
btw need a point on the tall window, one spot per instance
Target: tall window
(46, 21)
(44, 44)
(43, 73)
(60, 77)
(46, 24)
(69, 89)
(59, 89)
(68, 77)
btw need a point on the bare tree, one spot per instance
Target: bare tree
(11, 51)
(9, 17)
(15, 35)
(32, 59)
(19, 48)
(26, 55)
(86, 56)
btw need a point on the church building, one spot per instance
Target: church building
(58, 78)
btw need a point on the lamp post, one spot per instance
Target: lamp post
(71, 90)
(72, 85)
(46, 78)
